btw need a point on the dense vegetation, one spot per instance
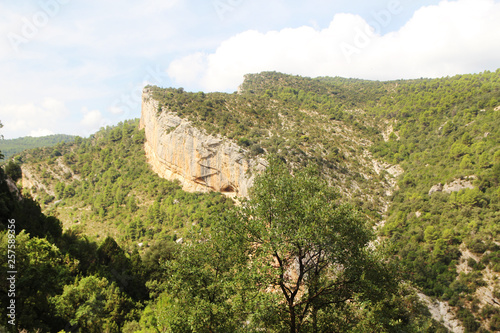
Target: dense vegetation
(11, 147)
(64, 280)
(299, 119)
(448, 129)
(276, 112)
(290, 259)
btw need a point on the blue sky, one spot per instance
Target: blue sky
(69, 66)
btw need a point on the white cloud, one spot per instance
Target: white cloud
(197, 64)
(155, 6)
(55, 107)
(30, 118)
(116, 110)
(92, 119)
(41, 132)
(445, 39)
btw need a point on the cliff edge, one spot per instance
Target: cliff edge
(178, 151)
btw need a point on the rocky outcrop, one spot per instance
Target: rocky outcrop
(13, 188)
(454, 186)
(201, 162)
(485, 293)
(386, 134)
(44, 177)
(442, 313)
(436, 188)
(31, 181)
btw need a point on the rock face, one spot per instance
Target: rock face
(13, 188)
(30, 181)
(178, 151)
(442, 313)
(436, 188)
(455, 186)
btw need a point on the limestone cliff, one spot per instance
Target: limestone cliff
(178, 151)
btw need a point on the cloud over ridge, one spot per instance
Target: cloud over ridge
(445, 39)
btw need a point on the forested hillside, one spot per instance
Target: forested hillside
(11, 147)
(301, 120)
(62, 279)
(418, 161)
(448, 131)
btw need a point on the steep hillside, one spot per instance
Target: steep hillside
(207, 282)
(444, 220)
(59, 280)
(419, 158)
(302, 122)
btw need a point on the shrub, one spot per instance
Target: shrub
(13, 170)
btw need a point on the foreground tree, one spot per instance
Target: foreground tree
(203, 289)
(13, 170)
(92, 304)
(308, 247)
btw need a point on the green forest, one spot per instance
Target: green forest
(11, 147)
(127, 251)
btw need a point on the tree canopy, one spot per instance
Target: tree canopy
(311, 249)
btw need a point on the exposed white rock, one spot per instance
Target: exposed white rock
(485, 294)
(442, 313)
(436, 188)
(31, 180)
(13, 188)
(387, 132)
(459, 184)
(454, 186)
(59, 171)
